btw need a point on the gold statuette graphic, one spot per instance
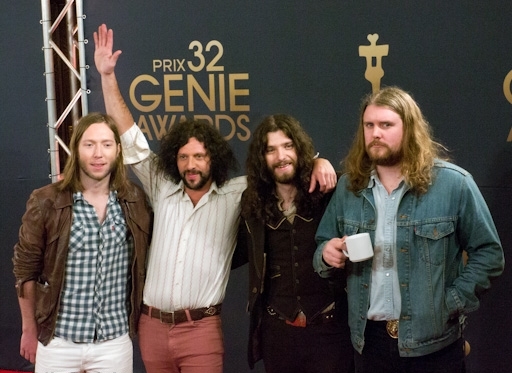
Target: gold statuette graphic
(373, 54)
(507, 91)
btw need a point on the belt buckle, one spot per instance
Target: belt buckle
(211, 311)
(163, 322)
(392, 328)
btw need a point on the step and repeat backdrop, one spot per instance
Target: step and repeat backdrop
(234, 62)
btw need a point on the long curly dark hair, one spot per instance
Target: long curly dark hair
(222, 158)
(259, 197)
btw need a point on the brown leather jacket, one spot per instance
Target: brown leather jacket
(41, 252)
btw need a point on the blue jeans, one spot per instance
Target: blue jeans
(380, 355)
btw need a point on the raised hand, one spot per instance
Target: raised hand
(104, 59)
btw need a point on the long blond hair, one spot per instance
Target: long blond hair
(71, 180)
(419, 150)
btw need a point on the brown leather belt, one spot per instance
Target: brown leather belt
(178, 317)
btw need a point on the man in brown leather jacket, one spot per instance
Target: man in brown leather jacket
(80, 260)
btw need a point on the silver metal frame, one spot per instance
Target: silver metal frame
(72, 13)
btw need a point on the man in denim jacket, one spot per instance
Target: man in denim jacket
(407, 304)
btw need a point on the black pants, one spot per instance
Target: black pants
(380, 355)
(322, 348)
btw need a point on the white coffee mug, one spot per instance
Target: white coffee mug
(359, 247)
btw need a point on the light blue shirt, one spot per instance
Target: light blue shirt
(385, 299)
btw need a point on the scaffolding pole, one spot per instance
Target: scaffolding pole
(72, 13)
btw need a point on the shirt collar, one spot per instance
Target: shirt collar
(374, 180)
(79, 196)
(180, 187)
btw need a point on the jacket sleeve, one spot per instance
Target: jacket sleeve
(327, 229)
(29, 250)
(240, 256)
(478, 236)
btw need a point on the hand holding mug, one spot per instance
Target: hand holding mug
(333, 253)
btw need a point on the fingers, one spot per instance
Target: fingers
(109, 38)
(29, 355)
(324, 175)
(333, 253)
(31, 358)
(103, 37)
(98, 36)
(327, 183)
(312, 184)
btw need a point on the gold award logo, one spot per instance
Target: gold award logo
(374, 53)
(197, 87)
(507, 91)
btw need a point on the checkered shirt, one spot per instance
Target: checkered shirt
(95, 297)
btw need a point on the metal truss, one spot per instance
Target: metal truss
(68, 53)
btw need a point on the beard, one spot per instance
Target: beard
(96, 176)
(384, 156)
(198, 184)
(286, 178)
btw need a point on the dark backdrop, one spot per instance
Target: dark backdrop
(300, 58)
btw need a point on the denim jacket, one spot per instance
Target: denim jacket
(433, 229)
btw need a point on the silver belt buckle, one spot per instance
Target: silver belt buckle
(163, 322)
(392, 328)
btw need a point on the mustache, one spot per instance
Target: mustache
(376, 143)
(280, 164)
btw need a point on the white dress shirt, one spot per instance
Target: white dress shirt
(192, 246)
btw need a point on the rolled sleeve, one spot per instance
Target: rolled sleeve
(29, 250)
(135, 145)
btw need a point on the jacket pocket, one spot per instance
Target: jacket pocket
(433, 240)
(119, 229)
(77, 239)
(349, 227)
(275, 271)
(43, 300)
